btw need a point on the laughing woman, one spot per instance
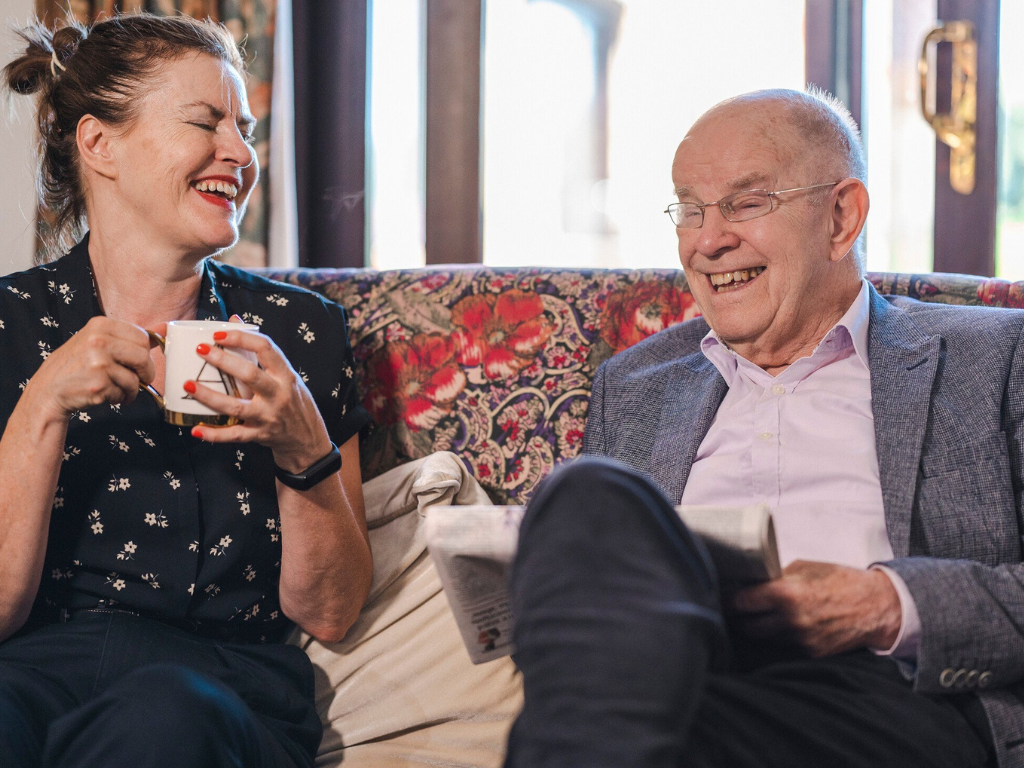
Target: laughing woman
(149, 573)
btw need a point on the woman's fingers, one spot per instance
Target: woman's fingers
(267, 353)
(240, 368)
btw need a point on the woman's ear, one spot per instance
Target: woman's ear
(849, 212)
(94, 146)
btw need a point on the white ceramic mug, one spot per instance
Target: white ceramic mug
(185, 364)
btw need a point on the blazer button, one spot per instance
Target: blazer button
(972, 678)
(984, 679)
(946, 678)
(959, 677)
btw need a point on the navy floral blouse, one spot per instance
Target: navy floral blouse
(145, 515)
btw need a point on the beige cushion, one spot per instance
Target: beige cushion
(400, 689)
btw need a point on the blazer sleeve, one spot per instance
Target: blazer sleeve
(972, 613)
(593, 433)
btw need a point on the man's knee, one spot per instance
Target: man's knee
(592, 485)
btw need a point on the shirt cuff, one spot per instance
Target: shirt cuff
(909, 638)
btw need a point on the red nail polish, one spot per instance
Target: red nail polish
(204, 349)
(220, 335)
(190, 387)
(197, 432)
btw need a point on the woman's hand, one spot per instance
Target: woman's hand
(106, 361)
(280, 414)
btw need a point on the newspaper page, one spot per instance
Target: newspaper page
(740, 540)
(473, 548)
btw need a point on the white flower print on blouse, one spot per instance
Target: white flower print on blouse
(175, 483)
(274, 525)
(44, 349)
(145, 438)
(239, 455)
(97, 526)
(2, 326)
(114, 579)
(115, 443)
(128, 551)
(306, 333)
(150, 578)
(49, 322)
(57, 574)
(58, 498)
(63, 291)
(212, 590)
(19, 294)
(243, 501)
(249, 573)
(277, 299)
(69, 451)
(156, 518)
(118, 484)
(218, 549)
(193, 547)
(252, 319)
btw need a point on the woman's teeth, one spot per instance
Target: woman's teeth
(223, 188)
(721, 279)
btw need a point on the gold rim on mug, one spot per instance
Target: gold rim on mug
(199, 419)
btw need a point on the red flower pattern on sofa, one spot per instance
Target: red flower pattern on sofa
(634, 313)
(503, 332)
(416, 381)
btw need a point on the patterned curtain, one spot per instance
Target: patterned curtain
(249, 20)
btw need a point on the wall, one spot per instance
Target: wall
(17, 198)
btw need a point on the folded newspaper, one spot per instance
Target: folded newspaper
(473, 548)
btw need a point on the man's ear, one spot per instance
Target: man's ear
(94, 146)
(849, 212)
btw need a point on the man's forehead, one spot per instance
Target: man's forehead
(733, 149)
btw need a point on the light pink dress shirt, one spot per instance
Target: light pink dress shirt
(803, 442)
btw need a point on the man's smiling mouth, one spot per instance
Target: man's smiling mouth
(726, 281)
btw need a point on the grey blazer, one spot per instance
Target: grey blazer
(947, 389)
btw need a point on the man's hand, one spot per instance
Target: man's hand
(823, 608)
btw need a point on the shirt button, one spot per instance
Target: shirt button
(778, 389)
(766, 436)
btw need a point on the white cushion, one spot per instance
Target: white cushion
(400, 689)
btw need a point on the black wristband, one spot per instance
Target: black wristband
(316, 472)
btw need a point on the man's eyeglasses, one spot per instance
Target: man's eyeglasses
(739, 206)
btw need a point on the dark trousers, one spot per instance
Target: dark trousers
(117, 690)
(626, 660)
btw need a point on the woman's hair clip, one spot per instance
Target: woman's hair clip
(55, 65)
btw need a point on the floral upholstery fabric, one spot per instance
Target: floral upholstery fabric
(496, 364)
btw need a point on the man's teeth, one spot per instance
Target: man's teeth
(225, 188)
(719, 279)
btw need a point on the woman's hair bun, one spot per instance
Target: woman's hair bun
(34, 70)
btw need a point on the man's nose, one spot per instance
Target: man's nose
(717, 234)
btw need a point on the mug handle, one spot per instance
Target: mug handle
(155, 337)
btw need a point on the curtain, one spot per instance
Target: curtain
(253, 21)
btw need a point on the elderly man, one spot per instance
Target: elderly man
(885, 434)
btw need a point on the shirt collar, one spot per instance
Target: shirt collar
(74, 290)
(851, 328)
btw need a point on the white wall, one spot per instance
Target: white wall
(17, 196)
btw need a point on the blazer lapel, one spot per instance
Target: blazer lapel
(692, 395)
(903, 362)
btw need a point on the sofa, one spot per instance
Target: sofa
(494, 366)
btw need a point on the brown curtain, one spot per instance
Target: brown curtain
(249, 20)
